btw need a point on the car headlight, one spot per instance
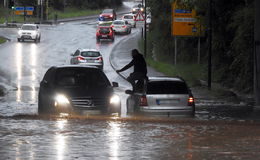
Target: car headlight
(134, 9)
(61, 99)
(19, 32)
(142, 9)
(115, 99)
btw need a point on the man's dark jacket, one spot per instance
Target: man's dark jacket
(139, 64)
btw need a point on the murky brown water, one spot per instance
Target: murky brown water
(82, 137)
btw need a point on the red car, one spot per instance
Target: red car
(104, 32)
(108, 15)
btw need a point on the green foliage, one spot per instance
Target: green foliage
(232, 43)
(2, 40)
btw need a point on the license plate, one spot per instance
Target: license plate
(104, 35)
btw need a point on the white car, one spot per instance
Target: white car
(29, 32)
(130, 18)
(121, 26)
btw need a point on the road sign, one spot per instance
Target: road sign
(23, 10)
(185, 22)
(139, 16)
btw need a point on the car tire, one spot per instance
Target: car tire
(18, 39)
(113, 39)
(39, 39)
(98, 40)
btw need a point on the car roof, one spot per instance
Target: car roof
(165, 78)
(77, 66)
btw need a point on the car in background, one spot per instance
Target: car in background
(130, 18)
(105, 32)
(137, 8)
(121, 26)
(75, 89)
(107, 15)
(29, 32)
(163, 95)
(91, 57)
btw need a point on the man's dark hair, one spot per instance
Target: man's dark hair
(135, 52)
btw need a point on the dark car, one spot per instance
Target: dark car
(77, 89)
(105, 32)
(163, 95)
(108, 15)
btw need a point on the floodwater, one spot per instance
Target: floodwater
(84, 137)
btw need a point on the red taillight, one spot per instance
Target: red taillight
(123, 26)
(80, 58)
(111, 16)
(112, 26)
(190, 101)
(99, 59)
(143, 101)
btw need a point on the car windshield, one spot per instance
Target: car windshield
(118, 22)
(90, 54)
(104, 30)
(167, 87)
(69, 77)
(107, 11)
(128, 17)
(28, 27)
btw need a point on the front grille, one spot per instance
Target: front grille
(87, 102)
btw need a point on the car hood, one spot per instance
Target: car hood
(75, 92)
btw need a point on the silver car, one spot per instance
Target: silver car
(130, 18)
(90, 57)
(164, 95)
(121, 26)
(29, 32)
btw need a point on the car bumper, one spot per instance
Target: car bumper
(99, 65)
(120, 30)
(168, 111)
(27, 36)
(105, 37)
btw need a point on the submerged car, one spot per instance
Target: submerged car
(91, 57)
(77, 89)
(29, 32)
(107, 15)
(105, 32)
(163, 95)
(121, 26)
(130, 18)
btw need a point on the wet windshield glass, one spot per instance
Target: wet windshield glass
(81, 77)
(90, 54)
(118, 22)
(167, 87)
(28, 28)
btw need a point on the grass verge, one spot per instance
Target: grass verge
(2, 40)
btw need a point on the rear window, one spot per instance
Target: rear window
(128, 17)
(118, 22)
(104, 30)
(81, 77)
(90, 54)
(107, 11)
(167, 87)
(27, 27)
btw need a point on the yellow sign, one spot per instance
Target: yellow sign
(185, 22)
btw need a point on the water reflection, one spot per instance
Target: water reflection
(30, 62)
(114, 139)
(60, 140)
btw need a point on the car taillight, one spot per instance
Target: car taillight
(80, 58)
(112, 26)
(99, 59)
(123, 26)
(111, 16)
(190, 101)
(143, 101)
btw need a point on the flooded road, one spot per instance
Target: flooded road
(33, 137)
(214, 133)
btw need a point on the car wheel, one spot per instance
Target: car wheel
(39, 39)
(98, 40)
(113, 39)
(45, 107)
(36, 40)
(18, 39)
(130, 31)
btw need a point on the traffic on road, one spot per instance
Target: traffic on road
(63, 99)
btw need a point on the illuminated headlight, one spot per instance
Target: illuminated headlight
(142, 9)
(134, 9)
(115, 99)
(61, 100)
(19, 32)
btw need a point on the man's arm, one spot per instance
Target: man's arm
(126, 66)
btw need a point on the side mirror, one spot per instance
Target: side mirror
(114, 84)
(129, 92)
